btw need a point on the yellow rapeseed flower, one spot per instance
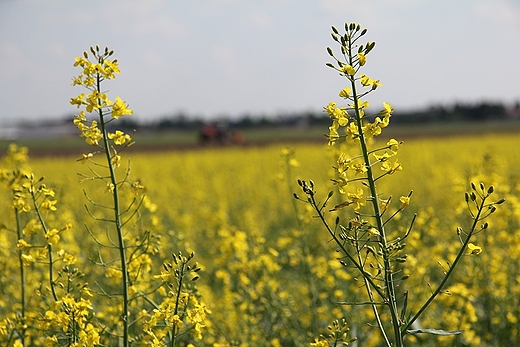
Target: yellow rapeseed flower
(22, 244)
(120, 109)
(119, 137)
(27, 259)
(362, 59)
(474, 249)
(405, 201)
(347, 69)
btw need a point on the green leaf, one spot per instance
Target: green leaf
(435, 332)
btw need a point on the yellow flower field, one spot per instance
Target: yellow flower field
(332, 245)
(269, 275)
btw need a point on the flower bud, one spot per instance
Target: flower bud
(491, 189)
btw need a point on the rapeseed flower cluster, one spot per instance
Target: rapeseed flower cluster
(365, 244)
(130, 248)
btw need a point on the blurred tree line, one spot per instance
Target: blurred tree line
(459, 112)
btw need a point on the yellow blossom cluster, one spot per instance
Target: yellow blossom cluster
(93, 73)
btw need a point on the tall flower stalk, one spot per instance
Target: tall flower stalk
(364, 241)
(97, 134)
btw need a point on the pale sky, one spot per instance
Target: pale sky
(236, 57)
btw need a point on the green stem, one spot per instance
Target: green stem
(388, 273)
(313, 295)
(372, 300)
(22, 276)
(176, 311)
(49, 246)
(449, 272)
(342, 247)
(117, 221)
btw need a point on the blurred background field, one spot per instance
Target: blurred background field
(150, 139)
(269, 274)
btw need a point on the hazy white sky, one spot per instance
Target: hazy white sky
(236, 57)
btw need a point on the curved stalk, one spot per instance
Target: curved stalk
(450, 270)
